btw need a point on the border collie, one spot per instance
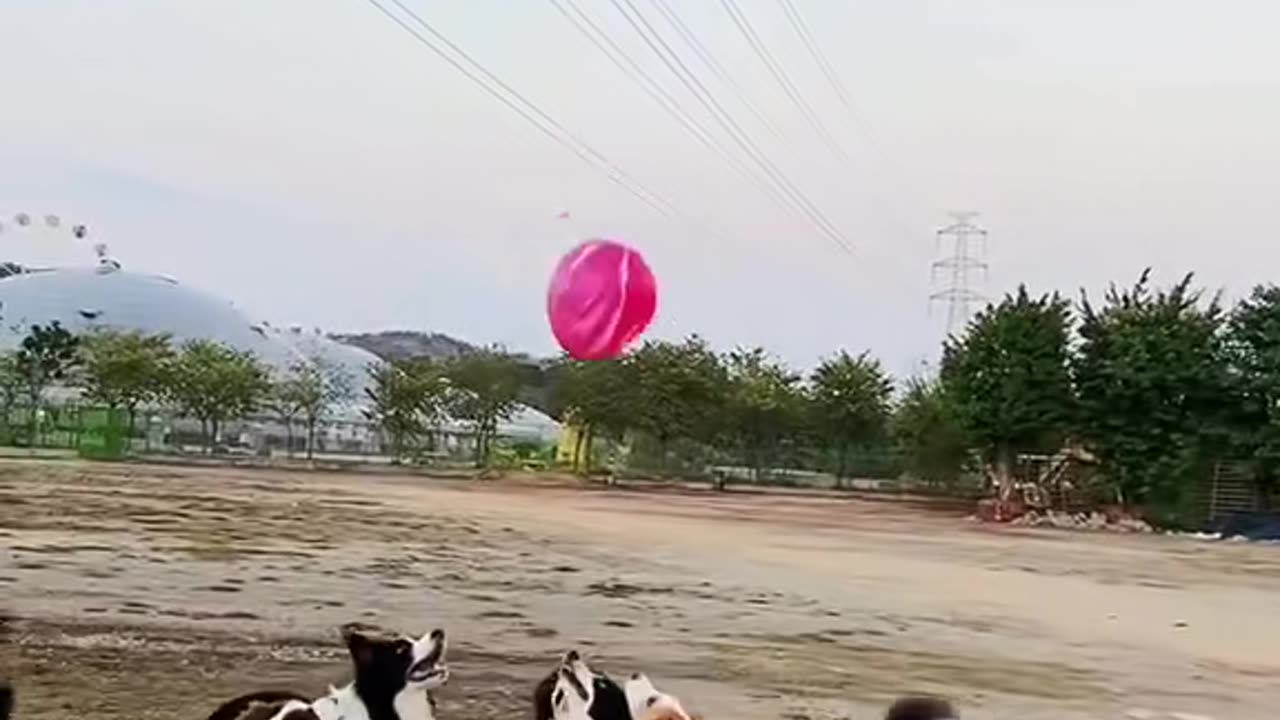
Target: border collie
(6, 700)
(394, 679)
(647, 703)
(575, 691)
(921, 708)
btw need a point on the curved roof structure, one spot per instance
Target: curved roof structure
(84, 298)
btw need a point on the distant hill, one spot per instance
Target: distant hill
(394, 345)
(537, 375)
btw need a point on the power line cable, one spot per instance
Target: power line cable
(695, 86)
(528, 110)
(708, 58)
(779, 74)
(841, 90)
(601, 39)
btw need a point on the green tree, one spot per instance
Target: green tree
(851, 404)
(678, 392)
(214, 384)
(485, 391)
(928, 435)
(125, 369)
(395, 404)
(1154, 389)
(597, 396)
(763, 408)
(319, 386)
(48, 354)
(284, 400)
(1254, 343)
(1008, 379)
(11, 388)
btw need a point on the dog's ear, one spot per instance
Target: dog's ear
(542, 707)
(6, 701)
(921, 708)
(356, 637)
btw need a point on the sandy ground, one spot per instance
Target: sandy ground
(143, 592)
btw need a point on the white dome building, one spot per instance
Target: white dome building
(106, 296)
(82, 299)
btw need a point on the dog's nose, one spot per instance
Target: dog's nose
(636, 676)
(572, 656)
(437, 635)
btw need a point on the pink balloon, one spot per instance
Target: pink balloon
(602, 297)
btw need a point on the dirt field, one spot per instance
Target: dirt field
(143, 592)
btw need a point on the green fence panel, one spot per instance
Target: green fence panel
(104, 434)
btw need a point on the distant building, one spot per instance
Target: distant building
(82, 299)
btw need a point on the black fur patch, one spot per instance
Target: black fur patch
(543, 709)
(610, 702)
(381, 664)
(6, 701)
(256, 706)
(921, 708)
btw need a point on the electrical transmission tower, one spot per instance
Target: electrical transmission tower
(964, 267)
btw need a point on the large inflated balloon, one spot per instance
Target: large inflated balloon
(602, 297)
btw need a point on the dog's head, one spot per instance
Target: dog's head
(921, 708)
(387, 664)
(646, 702)
(575, 691)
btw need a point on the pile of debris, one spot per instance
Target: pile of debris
(1111, 522)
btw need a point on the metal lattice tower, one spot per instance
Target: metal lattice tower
(964, 267)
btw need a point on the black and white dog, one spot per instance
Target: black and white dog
(395, 676)
(575, 691)
(6, 700)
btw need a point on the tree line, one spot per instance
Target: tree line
(215, 384)
(1155, 383)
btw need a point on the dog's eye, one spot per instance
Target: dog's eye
(403, 648)
(652, 699)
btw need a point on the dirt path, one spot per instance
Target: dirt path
(135, 585)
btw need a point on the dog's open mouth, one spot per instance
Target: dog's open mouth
(427, 669)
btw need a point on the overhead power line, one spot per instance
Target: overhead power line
(635, 72)
(708, 58)
(797, 21)
(525, 108)
(672, 60)
(802, 29)
(779, 74)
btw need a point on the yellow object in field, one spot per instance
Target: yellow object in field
(568, 447)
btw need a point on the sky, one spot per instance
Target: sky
(314, 163)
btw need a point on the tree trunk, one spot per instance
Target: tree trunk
(34, 421)
(311, 437)
(587, 445)
(578, 443)
(204, 435)
(288, 437)
(133, 425)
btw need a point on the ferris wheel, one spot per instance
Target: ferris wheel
(29, 242)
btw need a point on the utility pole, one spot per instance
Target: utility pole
(962, 266)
